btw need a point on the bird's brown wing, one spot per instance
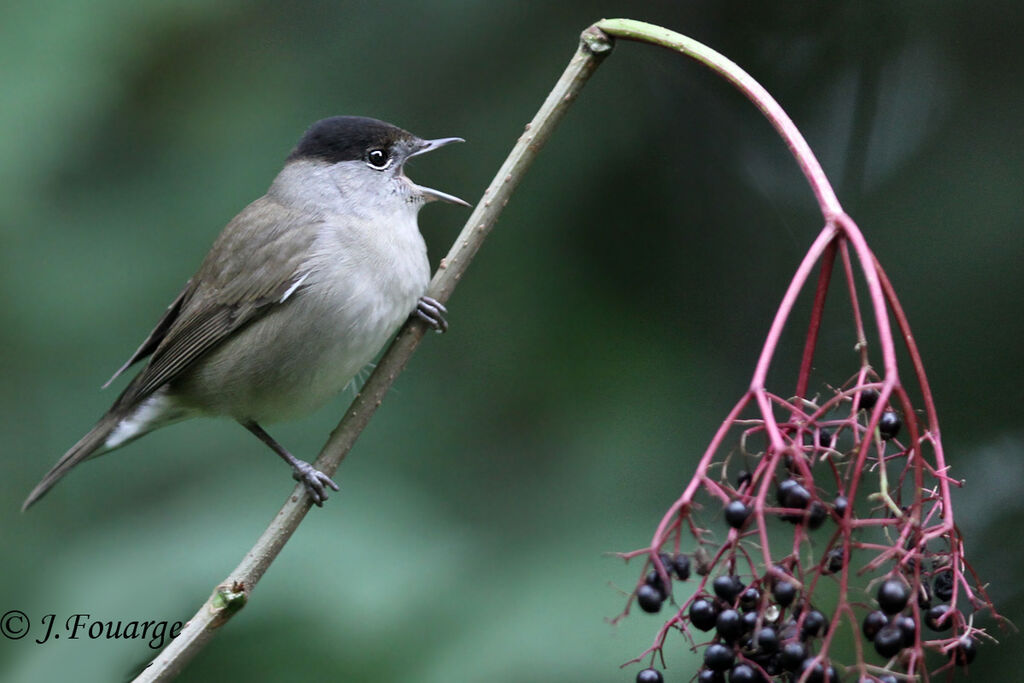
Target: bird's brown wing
(254, 263)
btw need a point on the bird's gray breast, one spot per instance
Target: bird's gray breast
(362, 279)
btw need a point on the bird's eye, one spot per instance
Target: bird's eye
(378, 159)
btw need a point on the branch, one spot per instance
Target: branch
(232, 594)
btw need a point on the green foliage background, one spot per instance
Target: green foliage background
(603, 333)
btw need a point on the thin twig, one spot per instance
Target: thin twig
(232, 594)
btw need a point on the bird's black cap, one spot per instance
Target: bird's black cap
(346, 138)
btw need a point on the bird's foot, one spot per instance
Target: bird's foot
(432, 312)
(315, 481)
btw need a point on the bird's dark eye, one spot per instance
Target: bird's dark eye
(378, 158)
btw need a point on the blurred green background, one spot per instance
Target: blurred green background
(607, 327)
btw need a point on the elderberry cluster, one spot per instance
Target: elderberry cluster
(766, 622)
(762, 632)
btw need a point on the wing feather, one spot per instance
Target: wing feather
(256, 260)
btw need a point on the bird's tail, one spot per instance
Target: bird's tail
(90, 445)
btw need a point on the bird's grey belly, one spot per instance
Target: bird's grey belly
(293, 359)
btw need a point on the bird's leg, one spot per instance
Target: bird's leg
(315, 481)
(432, 312)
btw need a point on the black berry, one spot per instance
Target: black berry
(742, 479)
(815, 672)
(933, 619)
(817, 515)
(824, 438)
(965, 650)
(653, 579)
(815, 624)
(943, 585)
(868, 399)
(784, 593)
(834, 561)
(703, 614)
(873, 623)
(743, 673)
(889, 641)
(750, 598)
(907, 627)
(792, 656)
(727, 587)
(794, 495)
(839, 505)
(649, 676)
(709, 676)
(889, 425)
(892, 596)
(749, 621)
(681, 566)
(729, 625)
(718, 657)
(736, 514)
(649, 598)
(766, 640)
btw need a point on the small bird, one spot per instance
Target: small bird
(297, 294)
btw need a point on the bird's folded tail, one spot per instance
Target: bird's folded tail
(90, 445)
(124, 423)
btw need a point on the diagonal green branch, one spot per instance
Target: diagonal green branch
(231, 595)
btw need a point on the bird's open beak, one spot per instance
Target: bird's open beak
(428, 193)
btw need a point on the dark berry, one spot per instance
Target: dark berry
(824, 438)
(782, 492)
(834, 561)
(817, 515)
(749, 621)
(649, 676)
(839, 505)
(889, 640)
(832, 675)
(796, 496)
(742, 479)
(792, 656)
(649, 598)
(718, 657)
(815, 671)
(766, 640)
(709, 676)
(750, 598)
(736, 514)
(892, 596)
(729, 625)
(743, 673)
(889, 425)
(873, 623)
(681, 566)
(964, 651)
(703, 614)
(908, 627)
(933, 619)
(868, 399)
(815, 624)
(653, 579)
(943, 585)
(727, 587)
(784, 593)
(888, 678)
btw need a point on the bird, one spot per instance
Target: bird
(297, 294)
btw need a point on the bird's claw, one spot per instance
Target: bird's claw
(432, 312)
(315, 481)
